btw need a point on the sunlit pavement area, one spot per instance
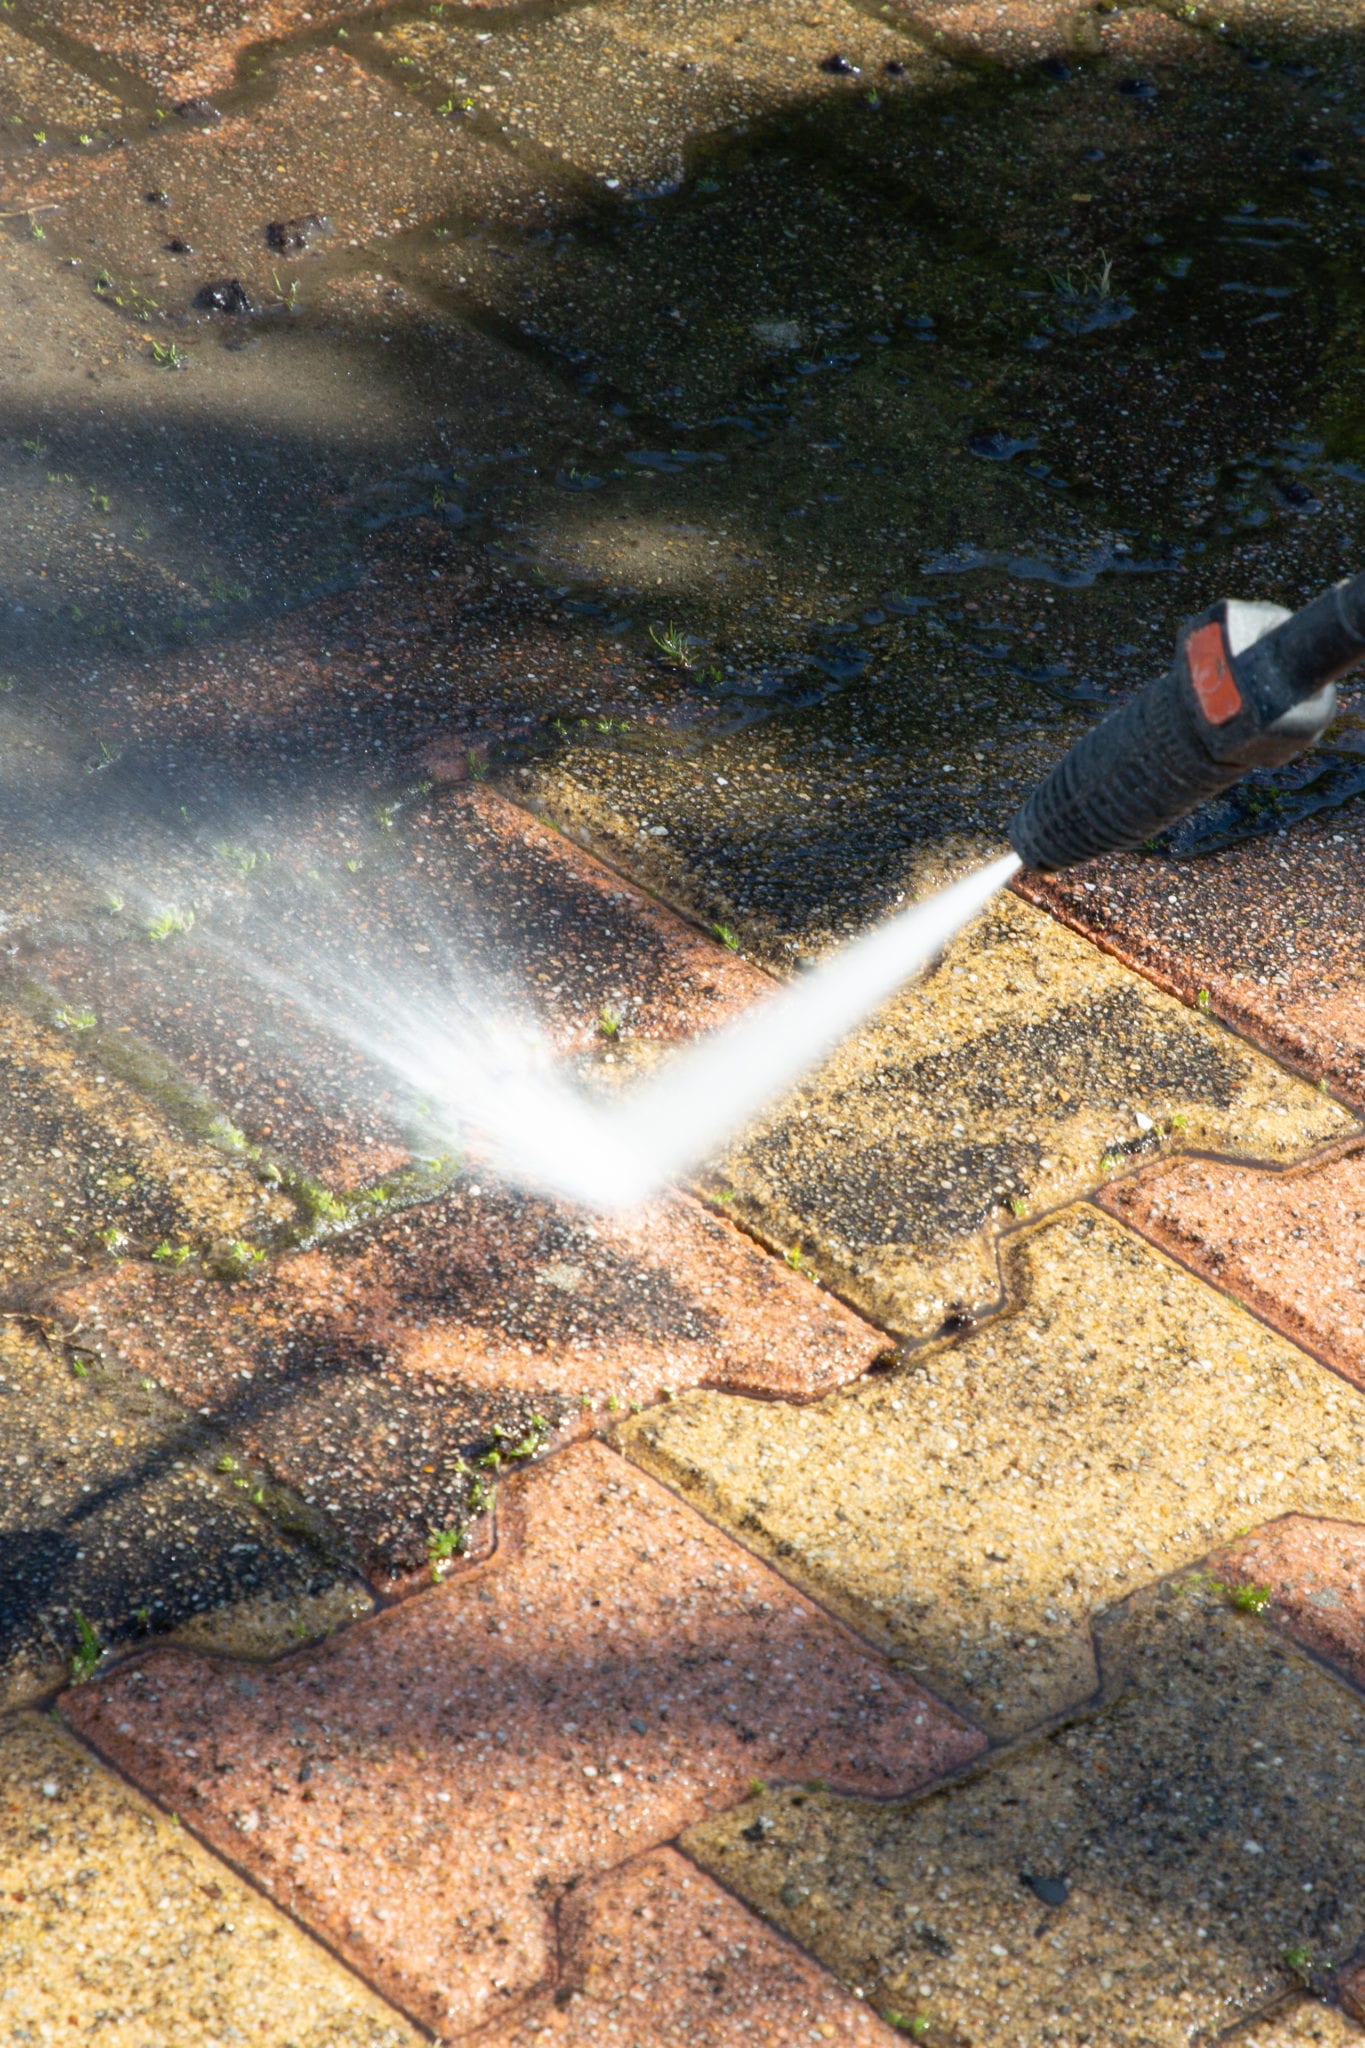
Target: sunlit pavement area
(592, 505)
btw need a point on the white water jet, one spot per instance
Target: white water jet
(482, 1078)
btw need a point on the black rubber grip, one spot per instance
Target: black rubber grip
(1140, 769)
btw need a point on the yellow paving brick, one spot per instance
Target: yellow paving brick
(1144, 1877)
(975, 1509)
(1021, 1074)
(118, 1927)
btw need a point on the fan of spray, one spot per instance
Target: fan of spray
(480, 1078)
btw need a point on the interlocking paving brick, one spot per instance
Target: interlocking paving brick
(182, 48)
(1311, 1576)
(422, 1792)
(1291, 1246)
(656, 1952)
(368, 1372)
(976, 1507)
(369, 912)
(112, 1512)
(1270, 929)
(621, 91)
(1146, 1875)
(1304, 2023)
(1013, 1077)
(117, 1926)
(334, 150)
(38, 91)
(87, 1165)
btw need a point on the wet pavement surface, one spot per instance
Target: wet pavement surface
(551, 516)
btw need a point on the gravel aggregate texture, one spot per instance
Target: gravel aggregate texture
(657, 1952)
(1021, 1072)
(117, 1526)
(119, 1927)
(973, 1509)
(1154, 1872)
(373, 1372)
(422, 1793)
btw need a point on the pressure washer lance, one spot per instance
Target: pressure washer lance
(1251, 686)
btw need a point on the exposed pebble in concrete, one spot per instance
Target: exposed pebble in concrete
(369, 1372)
(978, 1507)
(1138, 1877)
(1291, 1246)
(1269, 929)
(89, 1167)
(422, 1791)
(1310, 1575)
(655, 1951)
(119, 1927)
(112, 1512)
(1019, 1074)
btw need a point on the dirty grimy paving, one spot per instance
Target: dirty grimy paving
(562, 513)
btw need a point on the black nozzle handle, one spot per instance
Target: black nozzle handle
(1251, 686)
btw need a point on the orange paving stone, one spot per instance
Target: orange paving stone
(183, 48)
(422, 1791)
(332, 145)
(1290, 1245)
(368, 1371)
(657, 1953)
(1314, 1574)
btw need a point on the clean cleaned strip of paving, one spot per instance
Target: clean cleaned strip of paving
(1292, 1246)
(1010, 1078)
(973, 1509)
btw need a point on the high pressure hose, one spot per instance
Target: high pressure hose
(1251, 686)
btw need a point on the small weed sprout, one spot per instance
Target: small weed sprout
(168, 1254)
(727, 938)
(233, 1258)
(1018, 1206)
(477, 766)
(240, 857)
(169, 922)
(1248, 1599)
(673, 645)
(168, 355)
(227, 1463)
(1202, 999)
(85, 1661)
(442, 1545)
(80, 1368)
(609, 1021)
(1299, 1960)
(74, 1020)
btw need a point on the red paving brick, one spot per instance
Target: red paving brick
(656, 1953)
(421, 1791)
(1314, 1573)
(183, 48)
(364, 1372)
(1292, 1245)
(1273, 929)
(463, 892)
